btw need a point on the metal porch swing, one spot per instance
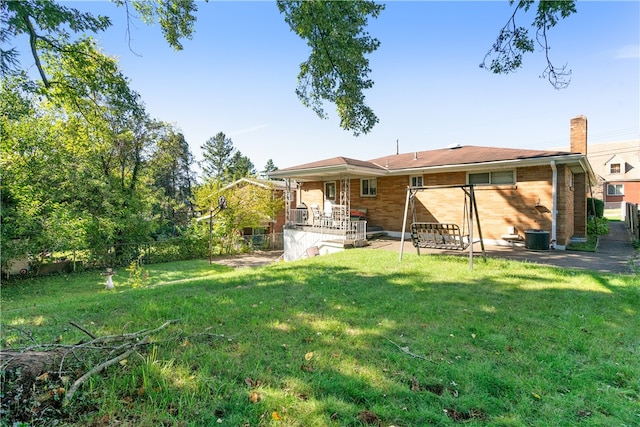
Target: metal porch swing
(443, 235)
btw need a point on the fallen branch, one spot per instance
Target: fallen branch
(97, 369)
(83, 329)
(406, 351)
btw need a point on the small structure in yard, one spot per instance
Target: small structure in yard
(109, 273)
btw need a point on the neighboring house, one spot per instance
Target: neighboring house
(272, 225)
(617, 167)
(515, 189)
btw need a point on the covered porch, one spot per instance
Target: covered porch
(319, 216)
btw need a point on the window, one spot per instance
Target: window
(615, 190)
(415, 181)
(495, 178)
(368, 187)
(615, 168)
(330, 190)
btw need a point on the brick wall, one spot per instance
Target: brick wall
(580, 192)
(526, 205)
(578, 135)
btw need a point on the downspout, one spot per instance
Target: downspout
(554, 211)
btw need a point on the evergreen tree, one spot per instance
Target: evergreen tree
(270, 167)
(240, 166)
(217, 155)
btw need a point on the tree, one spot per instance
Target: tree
(250, 205)
(217, 154)
(47, 26)
(74, 164)
(170, 167)
(505, 56)
(270, 167)
(240, 166)
(337, 70)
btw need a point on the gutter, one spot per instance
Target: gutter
(554, 212)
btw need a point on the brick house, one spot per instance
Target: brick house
(617, 169)
(515, 190)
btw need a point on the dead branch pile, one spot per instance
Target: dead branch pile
(70, 365)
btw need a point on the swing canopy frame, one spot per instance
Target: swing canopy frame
(443, 235)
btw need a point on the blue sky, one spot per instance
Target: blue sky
(238, 76)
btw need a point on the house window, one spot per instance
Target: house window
(415, 181)
(615, 168)
(368, 187)
(330, 190)
(495, 178)
(615, 190)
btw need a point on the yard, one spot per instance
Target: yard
(351, 339)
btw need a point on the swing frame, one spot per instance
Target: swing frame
(441, 235)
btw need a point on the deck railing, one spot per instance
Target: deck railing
(339, 229)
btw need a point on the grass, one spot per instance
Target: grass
(589, 246)
(350, 339)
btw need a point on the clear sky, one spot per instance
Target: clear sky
(238, 76)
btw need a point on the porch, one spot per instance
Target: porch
(304, 238)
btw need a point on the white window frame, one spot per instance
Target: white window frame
(369, 187)
(416, 178)
(615, 188)
(611, 168)
(491, 181)
(327, 192)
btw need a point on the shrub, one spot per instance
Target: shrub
(597, 226)
(595, 208)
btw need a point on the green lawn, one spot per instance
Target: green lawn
(350, 339)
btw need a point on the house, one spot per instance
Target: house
(271, 225)
(617, 169)
(515, 190)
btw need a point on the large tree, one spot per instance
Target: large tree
(84, 166)
(170, 166)
(240, 166)
(337, 70)
(216, 153)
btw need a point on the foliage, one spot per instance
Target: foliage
(514, 41)
(138, 275)
(269, 167)
(597, 226)
(590, 245)
(250, 204)
(84, 169)
(240, 166)
(320, 342)
(595, 207)
(170, 166)
(337, 70)
(216, 153)
(47, 24)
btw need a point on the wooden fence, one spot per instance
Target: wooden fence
(632, 220)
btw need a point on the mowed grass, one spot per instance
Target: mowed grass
(351, 339)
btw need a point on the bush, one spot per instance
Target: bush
(595, 208)
(597, 226)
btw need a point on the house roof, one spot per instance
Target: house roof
(330, 167)
(626, 152)
(459, 155)
(457, 158)
(268, 184)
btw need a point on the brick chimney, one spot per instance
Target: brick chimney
(579, 135)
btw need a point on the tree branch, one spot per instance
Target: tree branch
(34, 51)
(96, 369)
